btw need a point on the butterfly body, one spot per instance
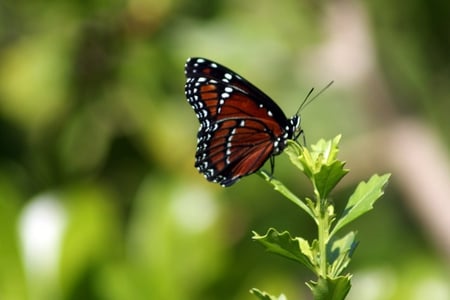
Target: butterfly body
(240, 126)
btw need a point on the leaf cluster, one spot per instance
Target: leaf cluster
(328, 255)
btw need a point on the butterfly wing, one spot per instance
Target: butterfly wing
(240, 126)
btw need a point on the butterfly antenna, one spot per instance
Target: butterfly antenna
(308, 100)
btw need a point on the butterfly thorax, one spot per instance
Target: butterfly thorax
(292, 131)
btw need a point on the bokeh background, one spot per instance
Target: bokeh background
(99, 198)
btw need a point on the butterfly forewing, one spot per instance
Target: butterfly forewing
(214, 80)
(240, 126)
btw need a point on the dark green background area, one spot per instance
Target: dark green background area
(99, 198)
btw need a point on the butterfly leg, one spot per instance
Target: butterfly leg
(302, 133)
(272, 166)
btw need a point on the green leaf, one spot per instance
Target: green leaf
(283, 244)
(330, 289)
(328, 177)
(340, 252)
(362, 200)
(294, 151)
(328, 170)
(280, 187)
(265, 296)
(319, 164)
(308, 163)
(327, 149)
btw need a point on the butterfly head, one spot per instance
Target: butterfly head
(298, 130)
(295, 129)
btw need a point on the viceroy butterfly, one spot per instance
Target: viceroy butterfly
(240, 126)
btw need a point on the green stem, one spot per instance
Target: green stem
(323, 232)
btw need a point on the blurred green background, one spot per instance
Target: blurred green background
(99, 198)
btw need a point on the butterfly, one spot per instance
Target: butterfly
(240, 126)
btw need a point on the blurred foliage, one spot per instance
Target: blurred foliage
(414, 47)
(97, 141)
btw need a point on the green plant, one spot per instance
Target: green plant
(328, 255)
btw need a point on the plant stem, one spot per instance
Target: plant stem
(323, 235)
